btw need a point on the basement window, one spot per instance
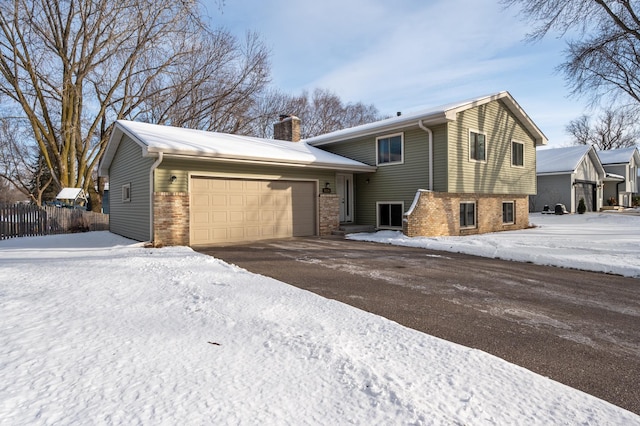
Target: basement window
(467, 215)
(508, 209)
(390, 215)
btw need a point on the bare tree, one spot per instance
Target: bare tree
(320, 112)
(614, 128)
(602, 58)
(21, 165)
(73, 67)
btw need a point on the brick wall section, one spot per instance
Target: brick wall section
(171, 218)
(438, 214)
(329, 207)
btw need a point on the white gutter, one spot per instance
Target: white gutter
(430, 133)
(154, 166)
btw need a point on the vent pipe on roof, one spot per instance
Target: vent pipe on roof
(430, 133)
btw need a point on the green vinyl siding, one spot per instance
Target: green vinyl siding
(180, 168)
(495, 175)
(130, 219)
(392, 182)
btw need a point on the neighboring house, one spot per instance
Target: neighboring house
(567, 174)
(624, 164)
(175, 186)
(459, 169)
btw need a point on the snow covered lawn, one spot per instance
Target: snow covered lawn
(601, 242)
(98, 330)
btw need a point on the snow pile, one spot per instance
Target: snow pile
(99, 330)
(600, 242)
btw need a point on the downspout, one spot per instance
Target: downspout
(154, 166)
(430, 133)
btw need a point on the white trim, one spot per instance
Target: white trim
(378, 203)
(523, 153)
(389, 136)
(486, 146)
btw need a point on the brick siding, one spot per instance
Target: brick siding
(329, 207)
(438, 214)
(171, 218)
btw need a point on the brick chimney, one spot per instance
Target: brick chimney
(287, 128)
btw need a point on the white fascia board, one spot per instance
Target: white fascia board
(380, 127)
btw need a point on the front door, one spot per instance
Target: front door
(344, 188)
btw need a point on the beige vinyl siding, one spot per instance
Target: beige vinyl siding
(181, 168)
(496, 174)
(130, 219)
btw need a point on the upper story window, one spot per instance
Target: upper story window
(517, 154)
(477, 146)
(390, 149)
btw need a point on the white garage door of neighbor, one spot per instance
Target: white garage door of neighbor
(233, 210)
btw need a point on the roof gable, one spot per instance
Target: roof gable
(175, 141)
(431, 116)
(619, 156)
(565, 160)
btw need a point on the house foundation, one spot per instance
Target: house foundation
(435, 214)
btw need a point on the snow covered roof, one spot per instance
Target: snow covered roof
(431, 116)
(71, 194)
(155, 139)
(618, 156)
(567, 159)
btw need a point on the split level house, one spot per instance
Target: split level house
(459, 169)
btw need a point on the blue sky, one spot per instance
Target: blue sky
(409, 54)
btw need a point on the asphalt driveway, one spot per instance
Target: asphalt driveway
(579, 328)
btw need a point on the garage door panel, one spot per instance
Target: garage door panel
(229, 210)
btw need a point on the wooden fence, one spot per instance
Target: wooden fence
(22, 220)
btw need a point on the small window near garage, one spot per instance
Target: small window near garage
(390, 149)
(477, 146)
(126, 193)
(468, 215)
(517, 154)
(508, 209)
(390, 215)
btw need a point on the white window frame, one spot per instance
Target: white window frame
(523, 157)
(378, 204)
(126, 193)
(388, 163)
(513, 212)
(475, 215)
(486, 146)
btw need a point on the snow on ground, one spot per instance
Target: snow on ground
(97, 329)
(601, 242)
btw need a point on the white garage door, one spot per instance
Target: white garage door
(233, 210)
